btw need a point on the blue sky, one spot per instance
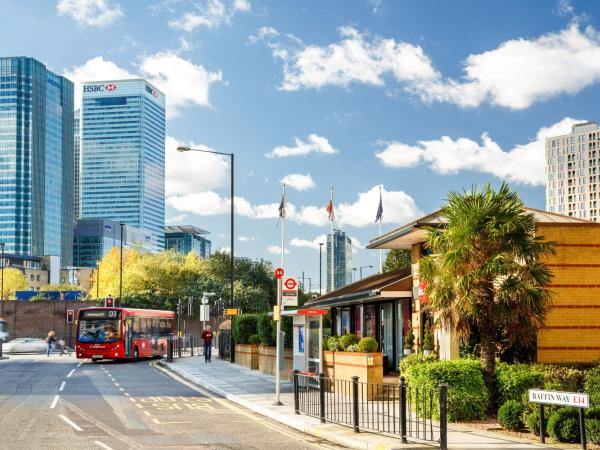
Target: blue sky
(420, 97)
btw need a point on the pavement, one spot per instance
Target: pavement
(256, 392)
(64, 403)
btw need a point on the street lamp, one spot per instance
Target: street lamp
(121, 268)
(364, 267)
(182, 148)
(97, 280)
(2, 289)
(354, 269)
(320, 264)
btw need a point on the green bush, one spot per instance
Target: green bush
(409, 339)
(254, 339)
(367, 345)
(333, 344)
(352, 348)
(265, 330)
(244, 326)
(513, 380)
(467, 395)
(416, 358)
(561, 378)
(531, 419)
(563, 425)
(592, 384)
(510, 415)
(286, 327)
(592, 430)
(428, 339)
(347, 340)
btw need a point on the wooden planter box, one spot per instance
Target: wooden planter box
(267, 358)
(368, 367)
(329, 364)
(247, 355)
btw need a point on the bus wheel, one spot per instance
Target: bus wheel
(95, 360)
(136, 354)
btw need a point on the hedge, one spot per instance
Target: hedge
(510, 415)
(467, 395)
(348, 340)
(243, 327)
(592, 385)
(513, 381)
(265, 330)
(563, 425)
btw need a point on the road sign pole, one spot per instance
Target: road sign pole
(277, 401)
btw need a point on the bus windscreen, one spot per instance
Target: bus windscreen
(98, 326)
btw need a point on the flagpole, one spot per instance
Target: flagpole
(278, 340)
(332, 246)
(380, 223)
(282, 228)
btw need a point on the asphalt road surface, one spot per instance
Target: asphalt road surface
(62, 403)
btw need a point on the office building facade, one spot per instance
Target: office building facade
(94, 237)
(187, 238)
(36, 159)
(341, 245)
(572, 172)
(77, 164)
(123, 155)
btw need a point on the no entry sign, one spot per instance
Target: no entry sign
(290, 292)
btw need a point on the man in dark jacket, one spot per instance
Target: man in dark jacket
(207, 337)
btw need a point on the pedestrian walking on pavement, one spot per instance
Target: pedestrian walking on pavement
(50, 339)
(207, 337)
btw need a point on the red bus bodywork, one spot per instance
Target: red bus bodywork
(122, 333)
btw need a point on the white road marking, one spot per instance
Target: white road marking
(117, 384)
(104, 446)
(165, 423)
(126, 394)
(147, 413)
(121, 389)
(79, 365)
(62, 386)
(54, 402)
(70, 422)
(71, 373)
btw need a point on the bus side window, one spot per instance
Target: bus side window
(144, 327)
(136, 327)
(155, 328)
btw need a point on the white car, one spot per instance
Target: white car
(25, 345)
(3, 331)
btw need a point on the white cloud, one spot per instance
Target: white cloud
(191, 172)
(178, 218)
(524, 163)
(298, 181)
(247, 239)
(314, 244)
(91, 13)
(210, 14)
(210, 203)
(314, 144)
(357, 245)
(276, 250)
(183, 82)
(516, 74)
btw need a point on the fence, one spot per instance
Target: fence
(179, 346)
(397, 410)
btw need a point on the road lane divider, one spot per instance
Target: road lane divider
(54, 402)
(71, 373)
(70, 422)
(79, 365)
(62, 386)
(102, 445)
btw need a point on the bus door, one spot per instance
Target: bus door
(128, 335)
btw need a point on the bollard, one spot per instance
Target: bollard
(191, 345)
(296, 393)
(1, 348)
(582, 428)
(403, 410)
(542, 430)
(355, 403)
(179, 345)
(443, 417)
(322, 397)
(170, 350)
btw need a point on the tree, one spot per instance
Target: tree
(60, 287)
(487, 271)
(397, 260)
(14, 281)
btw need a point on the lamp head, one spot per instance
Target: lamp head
(183, 148)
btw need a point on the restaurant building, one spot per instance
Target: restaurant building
(384, 305)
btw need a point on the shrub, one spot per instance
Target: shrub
(352, 348)
(563, 425)
(265, 330)
(531, 419)
(333, 344)
(592, 384)
(409, 339)
(286, 327)
(254, 339)
(428, 340)
(513, 380)
(244, 326)
(510, 415)
(347, 340)
(467, 396)
(416, 358)
(561, 378)
(367, 345)
(592, 430)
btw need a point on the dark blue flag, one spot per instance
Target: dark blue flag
(379, 216)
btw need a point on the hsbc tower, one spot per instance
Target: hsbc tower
(123, 155)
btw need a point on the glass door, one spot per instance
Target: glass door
(386, 333)
(127, 334)
(314, 344)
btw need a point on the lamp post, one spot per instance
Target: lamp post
(2, 282)
(182, 148)
(121, 268)
(97, 280)
(364, 267)
(354, 269)
(320, 265)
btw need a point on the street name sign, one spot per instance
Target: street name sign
(289, 292)
(231, 311)
(576, 399)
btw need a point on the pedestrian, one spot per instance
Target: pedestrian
(207, 337)
(50, 339)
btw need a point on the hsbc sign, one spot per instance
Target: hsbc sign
(100, 87)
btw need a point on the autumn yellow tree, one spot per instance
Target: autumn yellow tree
(14, 280)
(109, 272)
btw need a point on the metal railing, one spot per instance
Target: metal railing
(392, 409)
(180, 346)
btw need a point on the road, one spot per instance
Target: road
(62, 403)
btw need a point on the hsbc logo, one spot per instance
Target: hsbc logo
(100, 88)
(152, 91)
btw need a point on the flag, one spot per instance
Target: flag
(379, 215)
(282, 207)
(330, 213)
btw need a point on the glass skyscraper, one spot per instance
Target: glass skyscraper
(77, 164)
(36, 159)
(187, 238)
(123, 155)
(342, 259)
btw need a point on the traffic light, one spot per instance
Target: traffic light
(70, 315)
(108, 302)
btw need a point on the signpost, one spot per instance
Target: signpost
(277, 312)
(290, 292)
(231, 311)
(578, 400)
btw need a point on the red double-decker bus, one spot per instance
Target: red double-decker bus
(123, 333)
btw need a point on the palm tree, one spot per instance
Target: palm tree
(487, 271)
